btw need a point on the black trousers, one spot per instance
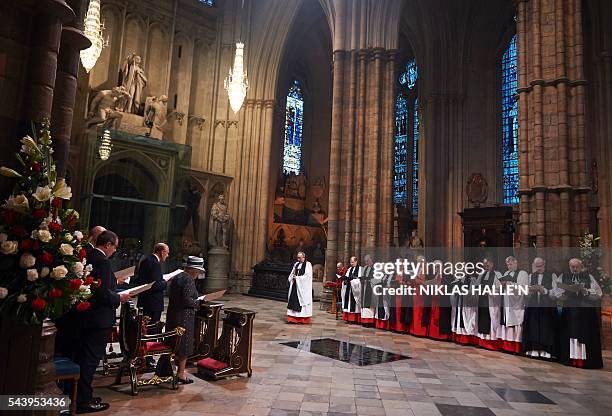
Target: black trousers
(90, 352)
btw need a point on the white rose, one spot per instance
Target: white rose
(18, 203)
(27, 260)
(3, 237)
(32, 274)
(8, 247)
(78, 235)
(59, 272)
(66, 249)
(3, 292)
(78, 268)
(42, 194)
(44, 272)
(44, 236)
(22, 298)
(68, 237)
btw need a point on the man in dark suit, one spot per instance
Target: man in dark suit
(149, 270)
(97, 322)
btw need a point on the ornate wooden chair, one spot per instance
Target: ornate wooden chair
(206, 330)
(232, 355)
(137, 346)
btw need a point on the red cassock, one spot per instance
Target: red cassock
(418, 308)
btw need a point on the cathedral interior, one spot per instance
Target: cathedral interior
(363, 126)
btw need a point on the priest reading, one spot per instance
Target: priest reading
(351, 291)
(579, 335)
(299, 306)
(512, 308)
(541, 320)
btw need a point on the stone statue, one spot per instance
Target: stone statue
(415, 240)
(218, 225)
(103, 109)
(156, 113)
(134, 81)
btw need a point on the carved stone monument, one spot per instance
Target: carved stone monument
(156, 116)
(218, 247)
(133, 80)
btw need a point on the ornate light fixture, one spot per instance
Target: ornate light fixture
(106, 145)
(236, 82)
(93, 32)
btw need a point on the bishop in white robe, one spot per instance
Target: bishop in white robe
(368, 307)
(512, 307)
(299, 305)
(351, 292)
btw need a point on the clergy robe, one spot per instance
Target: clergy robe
(418, 325)
(540, 326)
(464, 312)
(368, 306)
(579, 334)
(400, 306)
(512, 312)
(381, 315)
(488, 311)
(299, 305)
(351, 304)
(439, 322)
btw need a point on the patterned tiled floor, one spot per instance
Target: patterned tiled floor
(439, 379)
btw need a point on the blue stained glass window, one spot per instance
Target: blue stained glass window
(294, 113)
(510, 124)
(410, 76)
(400, 172)
(415, 159)
(207, 2)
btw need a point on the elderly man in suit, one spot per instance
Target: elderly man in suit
(97, 322)
(149, 270)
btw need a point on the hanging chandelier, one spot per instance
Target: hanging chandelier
(106, 145)
(236, 82)
(93, 32)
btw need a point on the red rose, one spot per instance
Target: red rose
(9, 216)
(19, 230)
(55, 293)
(55, 227)
(26, 245)
(39, 304)
(83, 306)
(88, 281)
(56, 202)
(46, 258)
(75, 284)
(82, 254)
(39, 213)
(37, 167)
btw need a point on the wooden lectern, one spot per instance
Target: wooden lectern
(206, 329)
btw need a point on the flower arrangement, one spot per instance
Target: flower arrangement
(590, 255)
(42, 261)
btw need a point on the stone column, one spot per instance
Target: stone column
(72, 42)
(46, 36)
(553, 172)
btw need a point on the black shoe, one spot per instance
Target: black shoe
(93, 407)
(185, 381)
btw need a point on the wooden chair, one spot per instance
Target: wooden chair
(232, 355)
(137, 346)
(206, 330)
(66, 369)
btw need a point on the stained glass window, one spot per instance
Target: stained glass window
(510, 125)
(415, 158)
(294, 113)
(410, 76)
(208, 2)
(403, 184)
(400, 165)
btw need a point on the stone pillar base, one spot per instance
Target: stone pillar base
(217, 275)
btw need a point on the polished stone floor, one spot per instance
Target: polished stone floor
(438, 378)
